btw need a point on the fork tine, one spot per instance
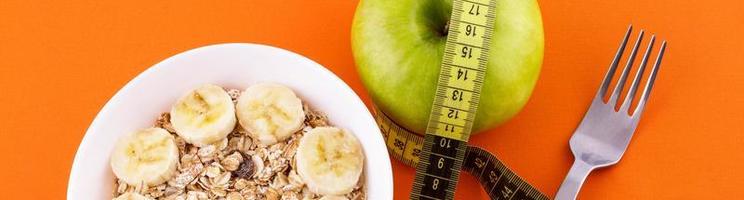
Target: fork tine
(634, 86)
(613, 65)
(650, 83)
(624, 76)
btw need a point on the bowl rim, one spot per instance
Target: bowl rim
(85, 143)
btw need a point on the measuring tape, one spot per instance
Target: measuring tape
(495, 178)
(443, 151)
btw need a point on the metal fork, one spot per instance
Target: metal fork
(603, 135)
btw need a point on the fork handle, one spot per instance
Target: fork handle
(572, 184)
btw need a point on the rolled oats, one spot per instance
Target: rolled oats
(232, 162)
(237, 168)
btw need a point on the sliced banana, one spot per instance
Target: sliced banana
(132, 196)
(270, 112)
(204, 116)
(148, 156)
(329, 160)
(333, 197)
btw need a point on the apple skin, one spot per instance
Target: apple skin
(398, 48)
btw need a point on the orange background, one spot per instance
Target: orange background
(60, 61)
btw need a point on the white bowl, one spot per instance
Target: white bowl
(141, 101)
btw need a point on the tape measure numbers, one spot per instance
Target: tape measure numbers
(456, 101)
(495, 178)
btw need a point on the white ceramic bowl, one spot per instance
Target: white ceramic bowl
(141, 101)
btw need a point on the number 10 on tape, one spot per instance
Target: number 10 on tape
(456, 102)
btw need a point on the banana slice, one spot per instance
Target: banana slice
(270, 112)
(204, 116)
(132, 196)
(333, 197)
(148, 156)
(329, 160)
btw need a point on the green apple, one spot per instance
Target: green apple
(398, 47)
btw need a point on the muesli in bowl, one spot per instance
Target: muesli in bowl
(261, 143)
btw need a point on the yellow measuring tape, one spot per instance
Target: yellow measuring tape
(456, 99)
(496, 179)
(443, 151)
